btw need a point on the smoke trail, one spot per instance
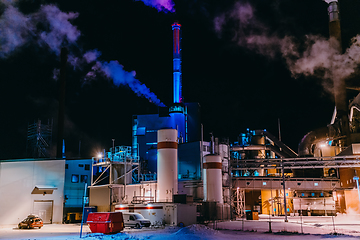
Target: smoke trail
(17, 29)
(319, 58)
(116, 72)
(61, 31)
(52, 28)
(121, 77)
(160, 5)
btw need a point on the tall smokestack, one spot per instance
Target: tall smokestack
(334, 23)
(339, 84)
(61, 113)
(177, 91)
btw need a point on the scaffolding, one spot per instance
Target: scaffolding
(239, 202)
(115, 169)
(39, 137)
(117, 166)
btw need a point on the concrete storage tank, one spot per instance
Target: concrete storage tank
(167, 165)
(212, 178)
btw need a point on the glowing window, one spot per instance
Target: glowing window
(264, 183)
(313, 194)
(316, 184)
(84, 178)
(75, 178)
(87, 166)
(140, 131)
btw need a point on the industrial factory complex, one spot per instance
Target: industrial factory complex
(172, 176)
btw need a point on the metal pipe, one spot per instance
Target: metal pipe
(61, 110)
(83, 213)
(356, 178)
(283, 178)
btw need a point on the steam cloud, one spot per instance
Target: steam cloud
(160, 5)
(320, 57)
(55, 32)
(18, 29)
(116, 72)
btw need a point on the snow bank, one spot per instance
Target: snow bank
(119, 236)
(197, 229)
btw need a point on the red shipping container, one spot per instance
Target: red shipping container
(105, 222)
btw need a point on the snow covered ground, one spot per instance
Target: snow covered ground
(346, 227)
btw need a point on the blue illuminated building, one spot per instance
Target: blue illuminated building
(77, 173)
(185, 117)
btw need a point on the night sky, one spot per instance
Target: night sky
(238, 85)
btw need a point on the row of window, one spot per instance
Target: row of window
(75, 178)
(87, 166)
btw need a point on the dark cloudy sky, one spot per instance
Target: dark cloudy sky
(233, 63)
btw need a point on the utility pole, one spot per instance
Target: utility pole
(84, 200)
(356, 178)
(283, 175)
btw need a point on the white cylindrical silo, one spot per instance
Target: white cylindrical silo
(212, 178)
(167, 164)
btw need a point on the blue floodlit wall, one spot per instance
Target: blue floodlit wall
(146, 134)
(77, 173)
(145, 129)
(189, 161)
(193, 122)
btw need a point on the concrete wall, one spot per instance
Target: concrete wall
(17, 183)
(352, 201)
(100, 197)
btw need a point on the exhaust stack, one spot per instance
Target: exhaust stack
(177, 85)
(334, 22)
(61, 111)
(339, 84)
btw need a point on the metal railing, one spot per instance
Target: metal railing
(296, 163)
(142, 199)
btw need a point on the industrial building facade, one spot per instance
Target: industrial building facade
(31, 186)
(169, 170)
(256, 173)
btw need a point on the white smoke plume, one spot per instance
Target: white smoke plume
(319, 58)
(57, 31)
(17, 29)
(116, 72)
(160, 5)
(61, 30)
